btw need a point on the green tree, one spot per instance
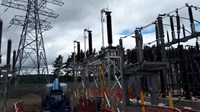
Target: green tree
(131, 56)
(148, 54)
(58, 65)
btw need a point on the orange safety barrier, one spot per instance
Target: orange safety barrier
(107, 110)
(19, 106)
(98, 92)
(130, 93)
(155, 108)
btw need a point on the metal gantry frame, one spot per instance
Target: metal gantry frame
(102, 77)
(175, 73)
(105, 68)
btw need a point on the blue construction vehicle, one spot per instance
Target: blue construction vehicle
(55, 99)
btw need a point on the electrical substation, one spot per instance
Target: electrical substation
(164, 77)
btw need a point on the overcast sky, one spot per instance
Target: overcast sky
(76, 15)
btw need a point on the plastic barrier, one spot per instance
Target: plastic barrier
(107, 110)
(86, 105)
(81, 106)
(188, 110)
(130, 93)
(154, 108)
(19, 106)
(98, 92)
(119, 94)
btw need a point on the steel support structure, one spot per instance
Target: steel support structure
(31, 56)
(102, 79)
(4, 81)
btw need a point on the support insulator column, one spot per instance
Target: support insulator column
(161, 37)
(14, 60)
(90, 42)
(139, 44)
(78, 51)
(172, 28)
(178, 27)
(109, 28)
(157, 36)
(1, 29)
(8, 52)
(191, 20)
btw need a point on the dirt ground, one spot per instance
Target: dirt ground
(29, 93)
(31, 103)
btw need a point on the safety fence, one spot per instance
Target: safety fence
(118, 92)
(155, 108)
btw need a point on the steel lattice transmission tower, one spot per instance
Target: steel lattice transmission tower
(31, 56)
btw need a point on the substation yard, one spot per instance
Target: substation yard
(161, 77)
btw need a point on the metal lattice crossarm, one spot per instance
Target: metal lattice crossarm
(19, 20)
(55, 2)
(22, 5)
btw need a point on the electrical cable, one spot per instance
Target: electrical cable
(7, 28)
(4, 11)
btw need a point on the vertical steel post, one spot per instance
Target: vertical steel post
(139, 44)
(163, 52)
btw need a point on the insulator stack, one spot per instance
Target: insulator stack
(139, 44)
(167, 36)
(172, 27)
(178, 23)
(8, 52)
(78, 51)
(172, 23)
(120, 43)
(157, 36)
(184, 35)
(90, 42)
(160, 27)
(197, 46)
(14, 60)
(191, 19)
(190, 15)
(136, 38)
(109, 28)
(1, 29)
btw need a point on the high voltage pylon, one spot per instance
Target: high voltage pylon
(31, 56)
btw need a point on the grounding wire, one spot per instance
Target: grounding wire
(154, 22)
(4, 11)
(7, 28)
